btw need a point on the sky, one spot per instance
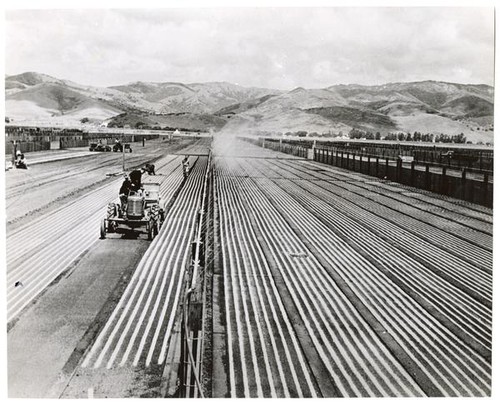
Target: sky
(272, 47)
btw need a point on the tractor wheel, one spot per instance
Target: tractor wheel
(151, 230)
(111, 210)
(155, 210)
(103, 229)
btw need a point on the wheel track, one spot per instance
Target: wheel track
(312, 300)
(451, 233)
(314, 237)
(443, 354)
(472, 215)
(55, 175)
(430, 254)
(454, 386)
(234, 249)
(346, 370)
(414, 278)
(470, 278)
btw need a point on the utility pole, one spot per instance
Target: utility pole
(14, 150)
(123, 152)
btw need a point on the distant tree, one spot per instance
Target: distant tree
(84, 120)
(460, 138)
(377, 135)
(356, 133)
(301, 133)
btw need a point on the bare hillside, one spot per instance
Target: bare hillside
(428, 106)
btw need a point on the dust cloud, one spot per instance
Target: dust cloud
(234, 143)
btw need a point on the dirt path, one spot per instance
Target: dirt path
(55, 329)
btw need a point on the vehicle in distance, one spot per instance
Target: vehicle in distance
(118, 147)
(99, 147)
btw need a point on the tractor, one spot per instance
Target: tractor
(118, 147)
(142, 212)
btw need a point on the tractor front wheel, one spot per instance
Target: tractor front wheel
(151, 230)
(112, 208)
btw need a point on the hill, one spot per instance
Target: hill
(181, 121)
(434, 107)
(39, 99)
(427, 106)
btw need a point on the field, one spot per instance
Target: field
(319, 282)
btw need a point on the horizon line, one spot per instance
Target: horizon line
(251, 86)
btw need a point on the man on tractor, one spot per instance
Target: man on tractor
(125, 190)
(131, 183)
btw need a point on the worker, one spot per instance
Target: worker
(185, 166)
(149, 168)
(21, 162)
(124, 190)
(135, 179)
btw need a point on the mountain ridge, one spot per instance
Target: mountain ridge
(428, 105)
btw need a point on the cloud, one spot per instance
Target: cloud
(267, 47)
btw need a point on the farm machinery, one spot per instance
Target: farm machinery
(141, 212)
(118, 147)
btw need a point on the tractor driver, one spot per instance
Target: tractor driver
(124, 190)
